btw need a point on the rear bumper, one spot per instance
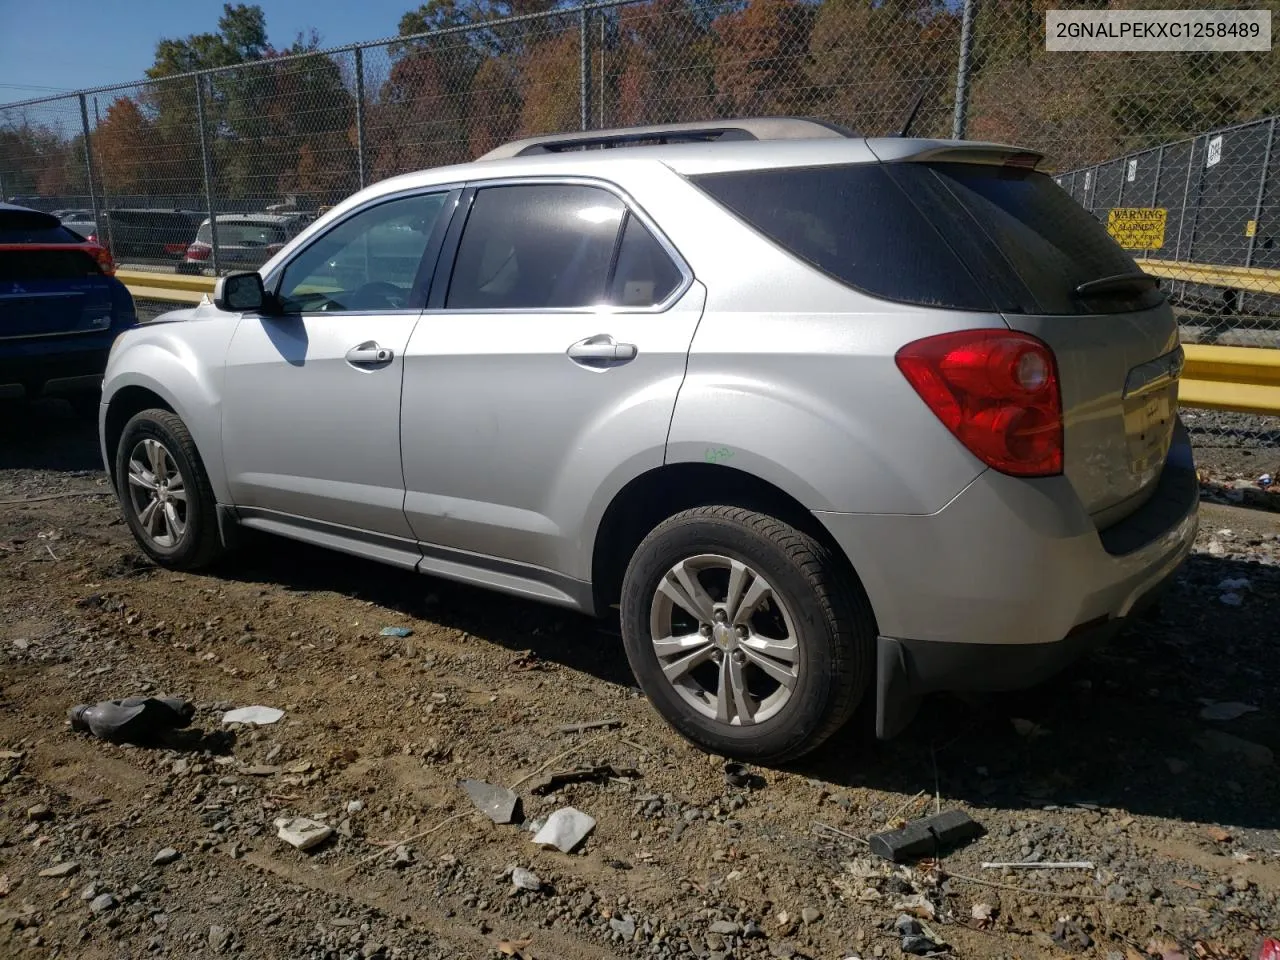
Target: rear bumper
(1010, 581)
(54, 365)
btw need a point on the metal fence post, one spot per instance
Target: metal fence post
(584, 67)
(207, 162)
(961, 118)
(1262, 190)
(106, 202)
(360, 114)
(88, 161)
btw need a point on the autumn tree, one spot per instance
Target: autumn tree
(124, 148)
(762, 58)
(667, 64)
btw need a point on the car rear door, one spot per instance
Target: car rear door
(545, 373)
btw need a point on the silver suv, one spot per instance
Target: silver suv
(830, 420)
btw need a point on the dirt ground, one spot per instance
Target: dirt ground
(1112, 763)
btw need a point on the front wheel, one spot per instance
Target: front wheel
(165, 492)
(745, 633)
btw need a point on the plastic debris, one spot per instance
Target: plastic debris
(926, 836)
(917, 938)
(736, 774)
(256, 715)
(1265, 480)
(555, 779)
(396, 632)
(1270, 949)
(301, 832)
(565, 829)
(133, 718)
(1226, 710)
(497, 803)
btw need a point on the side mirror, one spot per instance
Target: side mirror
(239, 293)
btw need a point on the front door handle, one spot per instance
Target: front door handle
(369, 354)
(600, 350)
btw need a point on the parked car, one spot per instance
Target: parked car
(244, 239)
(146, 234)
(830, 420)
(82, 224)
(60, 309)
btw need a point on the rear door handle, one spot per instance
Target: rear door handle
(600, 350)
(369, 354)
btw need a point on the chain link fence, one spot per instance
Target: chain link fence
(211, 172)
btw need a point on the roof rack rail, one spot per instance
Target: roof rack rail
(703, 131)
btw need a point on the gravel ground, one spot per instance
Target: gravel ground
(120, 851)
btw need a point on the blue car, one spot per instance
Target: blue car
(61, 307)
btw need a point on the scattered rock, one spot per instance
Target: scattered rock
(497, 803)
(165, 857)
(396, 632)
(219, 938)
(1218, 835)
(1217, 742)
(403, 858)
(752, 931)
(525, 879)
(726, 928)
(624, 928)
(301, 832)
(1229, 710)
(355, 806)
(102, 903)
(1176, 766)
(810, 915)
(565, 829)
(40, 811)
(61, 869)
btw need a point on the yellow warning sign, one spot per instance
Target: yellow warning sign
(1137, 228)
(1251, 228)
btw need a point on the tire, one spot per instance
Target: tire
(190, 541)
(807, 621)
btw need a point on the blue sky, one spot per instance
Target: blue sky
(70, 44)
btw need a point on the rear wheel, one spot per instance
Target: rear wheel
(165, 492)
(745, 633)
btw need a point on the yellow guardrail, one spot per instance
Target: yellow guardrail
(182, 288)
(1254, 279)
(1243, 379)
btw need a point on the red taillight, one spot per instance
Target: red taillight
(175, 249)
(103, 257)
(997, 391)
(198, 251)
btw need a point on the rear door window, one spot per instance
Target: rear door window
(536, 247)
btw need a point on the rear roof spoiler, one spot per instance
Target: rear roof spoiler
(892, 149)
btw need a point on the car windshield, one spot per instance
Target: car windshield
(243, 234)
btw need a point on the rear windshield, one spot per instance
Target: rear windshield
(24, 266)
(243, 234)
(34, 234)
(960, 236)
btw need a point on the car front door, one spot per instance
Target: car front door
(546, 370)
(311, 409)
